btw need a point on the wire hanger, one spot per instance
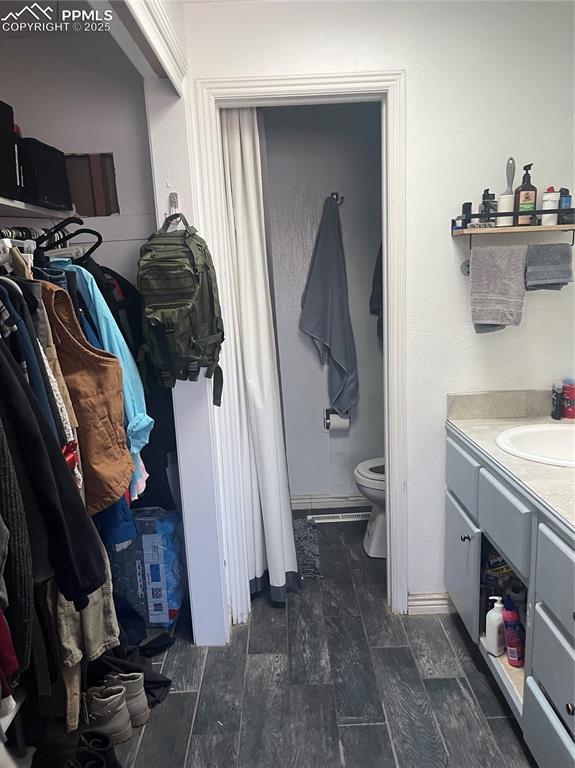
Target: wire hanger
(337, 197)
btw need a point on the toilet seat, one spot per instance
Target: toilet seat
(366, 476)
(365, 469)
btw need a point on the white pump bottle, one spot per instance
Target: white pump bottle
(494, 628)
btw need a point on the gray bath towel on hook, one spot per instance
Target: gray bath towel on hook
(497, 286)
(325, 311)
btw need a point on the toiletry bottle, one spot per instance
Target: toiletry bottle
(514, 633)
(525, 199)
(489, 207)
(565, 201)
(466, 210)
(549, 200)
(518, 594)
(494, 628)
(568, 409)
(557, 401)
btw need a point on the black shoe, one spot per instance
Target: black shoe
(85, 758)
(101, 745)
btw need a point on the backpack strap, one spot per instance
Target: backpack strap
(218, 385)
(172, 219)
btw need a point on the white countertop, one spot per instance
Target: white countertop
(554, 486)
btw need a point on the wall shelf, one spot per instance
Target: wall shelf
(472, 232)
(19, 210)
(511, 230)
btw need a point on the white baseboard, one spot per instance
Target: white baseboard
(328, 502)
(429, 602)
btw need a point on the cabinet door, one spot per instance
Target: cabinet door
(553, 665)
(554, 579)
(462, 562)
(543, 732)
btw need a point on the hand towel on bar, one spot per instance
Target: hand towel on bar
(497, 286)
(325, 311)
(548, 267)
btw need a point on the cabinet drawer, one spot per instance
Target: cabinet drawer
(548, 741)
(462, 472)
(506, 519)
(462, 554)
(554, 665)
(555, 579)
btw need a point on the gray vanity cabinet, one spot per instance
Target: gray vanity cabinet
(555, 576)
(463, 477)
(506, 520)
(543, 731)
(462, 564)
(483, 501)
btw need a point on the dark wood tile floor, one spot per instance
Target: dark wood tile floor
(334, 680)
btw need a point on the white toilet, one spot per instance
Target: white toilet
(370, 480)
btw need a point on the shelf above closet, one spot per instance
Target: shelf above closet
(20, 210)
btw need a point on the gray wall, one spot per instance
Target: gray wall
(310, 152)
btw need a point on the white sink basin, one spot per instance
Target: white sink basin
(545, 443)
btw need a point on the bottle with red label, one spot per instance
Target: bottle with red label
(514, 633)
(568, 399)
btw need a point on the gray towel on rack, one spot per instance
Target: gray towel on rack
(497, 286)
(325, 311)
(548, 267)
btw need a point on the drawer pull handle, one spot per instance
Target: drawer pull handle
(570, 709)
(465, 537)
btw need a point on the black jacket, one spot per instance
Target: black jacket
(56, 515)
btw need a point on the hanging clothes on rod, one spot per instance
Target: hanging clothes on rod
(72, 422)
(137, 422)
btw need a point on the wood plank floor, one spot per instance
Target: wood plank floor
(333, 680)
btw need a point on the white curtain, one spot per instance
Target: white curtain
(261, 476)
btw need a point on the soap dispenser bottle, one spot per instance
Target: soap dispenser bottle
(525, 199)
(495, 628)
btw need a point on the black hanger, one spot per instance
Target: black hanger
(58, 227)
(84, 231)
(337, 197)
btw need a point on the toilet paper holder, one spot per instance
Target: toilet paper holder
(329, 412)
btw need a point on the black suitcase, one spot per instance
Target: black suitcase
(10, 171)
(44, 174)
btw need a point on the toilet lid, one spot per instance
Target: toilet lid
(372, 469)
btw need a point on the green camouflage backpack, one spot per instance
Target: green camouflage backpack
(182, 323)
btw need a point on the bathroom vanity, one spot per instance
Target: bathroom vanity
(525, 511)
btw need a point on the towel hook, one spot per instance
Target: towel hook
(337, 197)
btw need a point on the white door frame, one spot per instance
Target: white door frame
(207, 97)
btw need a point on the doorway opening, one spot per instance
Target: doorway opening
(386, 90)
(307, 153)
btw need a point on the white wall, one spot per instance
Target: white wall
(460, 131)
(312, 151)
(80, 93)
(172, 169)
